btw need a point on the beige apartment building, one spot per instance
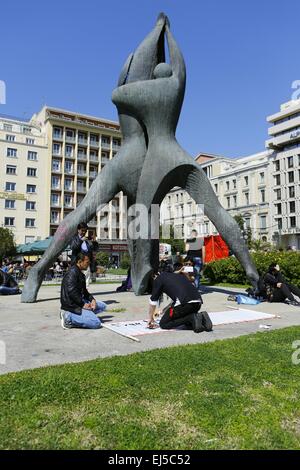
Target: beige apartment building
(284, 140)
(50, 163)
(242, 185)
(24, 203)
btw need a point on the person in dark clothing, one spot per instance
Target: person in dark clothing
(8, 285)
(196, 252)
(277, 289)
(186, 303)
(81, 243)
(78, 306)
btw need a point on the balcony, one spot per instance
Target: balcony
(81, 190)
(56, 154)
(69, 172)
(71, 139)
(69, 155)
(58, 136)
(54, 222)
(56, 170)
(69, 189)
(282, 140)
(94, 158)
(56, 187)
(81, 156)
(94, 143)
(82, 141)
(93, 174)
(81, 173)
(105, 145)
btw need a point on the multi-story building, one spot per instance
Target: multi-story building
(285, 170)
(242, 186)
(24, 202)
(49, 163)
(79, 147)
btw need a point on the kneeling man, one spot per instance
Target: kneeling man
(78, 306)
(185, 306)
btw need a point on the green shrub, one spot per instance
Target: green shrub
(102, 258)
(230, 270)
(125, 262)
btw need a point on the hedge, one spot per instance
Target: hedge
(230, 270)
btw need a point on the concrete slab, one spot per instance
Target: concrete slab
(33, 337)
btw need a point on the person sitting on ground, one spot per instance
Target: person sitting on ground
(277, 289)
(8, 285)
(186, 303)
(78, 306)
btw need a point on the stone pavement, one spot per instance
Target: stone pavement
(33, 337)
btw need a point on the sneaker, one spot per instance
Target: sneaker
(66, 325)
(295, 303)
(206, 322)
(232, 298)
(198, 323)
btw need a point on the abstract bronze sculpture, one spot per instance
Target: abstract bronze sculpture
(150, 162)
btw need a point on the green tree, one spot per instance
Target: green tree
(125, 261)
(246, 231)
(176, 244)
(102, 258)
(7, 243)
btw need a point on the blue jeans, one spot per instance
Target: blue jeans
(197, 268)
(87, 319)
(8, 290)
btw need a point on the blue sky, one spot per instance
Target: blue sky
(241, 59)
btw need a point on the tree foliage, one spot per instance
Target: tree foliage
(7, 243)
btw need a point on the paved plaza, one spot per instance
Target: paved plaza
(33, 336)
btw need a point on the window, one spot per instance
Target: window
(228, 202)
(234, 201)
(292, 206)
(94, 139)
(227, 185)
(279, 210)
(234, 184)
(262, 177)
(11, 170)
(246, 180)
(54, 217)
(30, 205)
(293, 222)
(26, 130)
(68, 167)
(10, 186)
(9, 221)
(68, 200)
(7, 127)
(263, 222)
(68, 184)
(216, 188)
(10, 138)
(69, 150)
(80, 185)
(292, 191)
(56, 149)
(55, 165)
(10, 204)
(290, 162)
(31, 171)
(277, 180)
(11, 152)
(277, 165)
(57, 133)
(70, 134)
(291, 177)
(54, 199)
(247, 198)
(32, 155)
(277, 194)
(105, 139)
(31, 188)
(29, 141)
(29, 223)
(263, 195)
(55, 182)
(279, 224)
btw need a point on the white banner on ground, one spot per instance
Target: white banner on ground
(139, 327)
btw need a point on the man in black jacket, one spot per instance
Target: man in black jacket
(81, 243)
(78, 306)
(185, 307)
(8, 285)
(277, 288)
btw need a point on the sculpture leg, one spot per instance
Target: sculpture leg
(104, 188)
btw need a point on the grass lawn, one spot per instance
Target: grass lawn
(239, 393)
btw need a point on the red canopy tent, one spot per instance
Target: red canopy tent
(215, 248)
